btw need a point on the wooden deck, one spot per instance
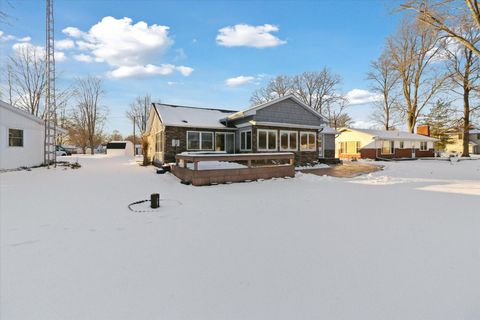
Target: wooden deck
(346, 170)
(257, 166)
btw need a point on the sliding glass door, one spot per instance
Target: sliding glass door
(225, 141)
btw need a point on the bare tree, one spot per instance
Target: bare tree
(384, 81)
(279, 86)
(317, 89)
(337, 115)
(444, 17)
(412, 50)
(26, 79)
(464, 74)
(88, 116)
(138, 111)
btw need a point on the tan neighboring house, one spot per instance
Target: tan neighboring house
(372, 144)
(282, 125)
(456, 144)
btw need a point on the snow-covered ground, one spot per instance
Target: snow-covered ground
(403, 243)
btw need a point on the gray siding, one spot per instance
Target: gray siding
(329, 141)
(288, 111)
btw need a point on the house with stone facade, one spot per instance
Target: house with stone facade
(355, 143)
(282, 125)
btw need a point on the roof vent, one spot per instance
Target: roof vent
(184, 121)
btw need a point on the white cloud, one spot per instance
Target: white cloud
(83, 58)
(135, 71)
(239, 81)
(185, 71)
(249, 36)
(24, 39)
(64, 44)
(73, 32)
(360, 96)
(22, 47)
(8, 37)
(60, 56)
(131, 49)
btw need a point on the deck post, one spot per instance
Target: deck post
(184, 163)
(195, 165)
(249, 163)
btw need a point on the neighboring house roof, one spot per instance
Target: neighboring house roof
(253, 110)
(20, 112)
(182, 116)
(391, 135)
(474, 131)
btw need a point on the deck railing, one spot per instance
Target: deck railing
(256, 166)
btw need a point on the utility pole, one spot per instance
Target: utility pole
(50, 155)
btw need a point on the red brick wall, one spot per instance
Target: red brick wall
(399, 153)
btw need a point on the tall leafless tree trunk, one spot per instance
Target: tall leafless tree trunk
(89, 115)
(384, 80)
(412, 50)
(138, 113)
(464, 74)
(280, 86)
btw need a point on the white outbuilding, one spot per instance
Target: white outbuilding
(120, 148)
(21, 138)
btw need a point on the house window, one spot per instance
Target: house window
(246, 140)
(267, 140)
(387, 147)
(159, 142)
(308, 141)
(288, 140)
(401, 145)
(197, 140)
(478, 136)
(350, 147)
(15, 138)
(423, 146)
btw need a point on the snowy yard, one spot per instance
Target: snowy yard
(403, 243)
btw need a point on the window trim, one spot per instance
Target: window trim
(288, 132)
(22, 138)
(392, 147)
(242, 140)
(426, 146)
(200, 143)
(308, 141)
(267, 131)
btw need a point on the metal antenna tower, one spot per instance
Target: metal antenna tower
(50, 155)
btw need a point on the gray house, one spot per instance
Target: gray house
(282, 125)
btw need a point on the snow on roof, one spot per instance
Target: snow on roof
(182, 116)
(392, 135)
(21, 112)
(474, 131)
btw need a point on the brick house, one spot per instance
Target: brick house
(281, 125)
(372, 144)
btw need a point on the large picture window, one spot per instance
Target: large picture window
(15, 138)
(387, 147)
(288, 140)
(266, 140)
(308, 141)
(197, 140)
(246, 140)
(350, 147)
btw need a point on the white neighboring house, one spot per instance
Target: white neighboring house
(120, 148)
(21, 138)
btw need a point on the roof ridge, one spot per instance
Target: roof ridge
(191, 107)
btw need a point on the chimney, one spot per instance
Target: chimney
(424, 130)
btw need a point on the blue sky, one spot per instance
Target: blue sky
(189, 65)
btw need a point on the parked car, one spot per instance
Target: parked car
(62, 151)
